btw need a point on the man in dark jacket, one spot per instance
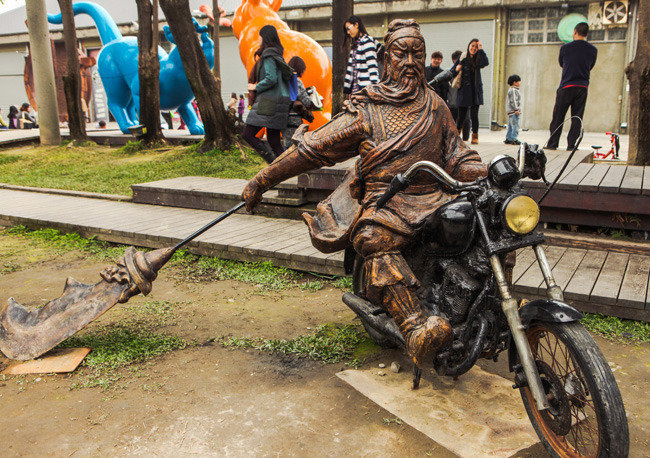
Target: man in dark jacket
(577, 58)
(433, 70)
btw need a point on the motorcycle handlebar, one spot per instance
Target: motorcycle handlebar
(401, 181)
(397, 184)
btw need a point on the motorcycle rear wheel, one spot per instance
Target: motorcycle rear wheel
(587, 418)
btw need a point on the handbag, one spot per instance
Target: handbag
(457, 80)
(252, 78)
(315, 98)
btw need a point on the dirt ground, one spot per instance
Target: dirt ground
(208, 400)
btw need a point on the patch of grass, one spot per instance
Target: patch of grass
(116, 347)
(67, 241)
(330, 344)
(112, 170)
(312, 285)
(617, 329)
(126, 344)
(344, 283)
(4, 159)
(162, 312)
(264, 274)
(394, 420)
(8, 267)
(132, 147)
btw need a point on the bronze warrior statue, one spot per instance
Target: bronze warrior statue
(391, 126)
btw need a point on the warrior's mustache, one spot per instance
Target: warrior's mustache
(400, 77)
(407, 78)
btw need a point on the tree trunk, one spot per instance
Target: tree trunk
(341, 11)
(72, 81)
(44, 83)
(216, 70)
(148, 71)
(219, 128)
(638, 73)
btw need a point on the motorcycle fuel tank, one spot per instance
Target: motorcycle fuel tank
(450, 230)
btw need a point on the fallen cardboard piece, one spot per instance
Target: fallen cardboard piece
(480, 414)
(57, 360)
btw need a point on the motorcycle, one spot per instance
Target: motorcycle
(463, 258)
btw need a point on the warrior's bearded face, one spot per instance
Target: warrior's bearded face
(405, 63)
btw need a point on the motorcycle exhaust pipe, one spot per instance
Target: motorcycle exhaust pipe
(381, 323)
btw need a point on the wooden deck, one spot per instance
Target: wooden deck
(602, 195)
(598, 281)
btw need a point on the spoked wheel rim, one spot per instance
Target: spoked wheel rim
(583, 436)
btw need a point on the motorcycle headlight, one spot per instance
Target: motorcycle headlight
(520, 214)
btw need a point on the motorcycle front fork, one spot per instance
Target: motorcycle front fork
(511, 311)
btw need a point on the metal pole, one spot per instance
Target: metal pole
(509, 307)
(45, 85)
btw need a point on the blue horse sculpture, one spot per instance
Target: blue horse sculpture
(118, 68)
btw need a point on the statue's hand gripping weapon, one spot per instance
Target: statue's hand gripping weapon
(28, 332)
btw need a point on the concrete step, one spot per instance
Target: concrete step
(220, 194)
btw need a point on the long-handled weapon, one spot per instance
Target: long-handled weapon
(28, 332)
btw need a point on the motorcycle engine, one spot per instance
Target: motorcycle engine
(456, 285)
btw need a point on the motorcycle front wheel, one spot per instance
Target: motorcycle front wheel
(587, 416)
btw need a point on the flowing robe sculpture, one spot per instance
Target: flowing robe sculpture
(391, 126)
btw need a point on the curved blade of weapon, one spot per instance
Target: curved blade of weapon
(28, 332)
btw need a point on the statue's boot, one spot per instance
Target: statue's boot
(424, 335)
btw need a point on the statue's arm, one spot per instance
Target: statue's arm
(334, 142)
(338, 140)
(462, 163)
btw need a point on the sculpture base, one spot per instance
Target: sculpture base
(54, 361)
(477, 415)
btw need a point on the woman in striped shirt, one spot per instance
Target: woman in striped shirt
(363, 69)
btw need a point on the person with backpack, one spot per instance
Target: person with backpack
(363, 64)
(268, 86)
(301, 107)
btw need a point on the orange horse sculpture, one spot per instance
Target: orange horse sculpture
(251, 16)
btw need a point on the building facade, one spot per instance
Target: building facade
(519, 36)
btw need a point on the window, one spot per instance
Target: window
(596, 35)
(538, 25)
(617, 34)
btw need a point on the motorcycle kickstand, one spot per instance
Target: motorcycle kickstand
(417, 375)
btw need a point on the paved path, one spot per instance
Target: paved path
(607, 282)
